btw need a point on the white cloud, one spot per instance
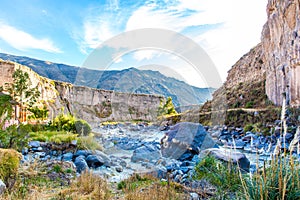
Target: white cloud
(240, 26)
(146, 54)
(22, 40)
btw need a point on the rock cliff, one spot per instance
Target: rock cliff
(281, 45)
(272, 67)
(93, 105)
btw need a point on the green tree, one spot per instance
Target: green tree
(168, 108)
(5, 108)
(21, 90)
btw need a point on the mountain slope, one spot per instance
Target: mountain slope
(128, 80)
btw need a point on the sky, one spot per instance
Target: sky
(69, 31)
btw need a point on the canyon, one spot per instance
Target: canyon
(92, 105)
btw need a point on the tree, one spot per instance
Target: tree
(168, 108)
(21, 90)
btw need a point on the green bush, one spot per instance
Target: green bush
(9, 164)
(14, 137)
(82, 127)
(67, 122)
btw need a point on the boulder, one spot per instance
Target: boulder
(146, 153)
(34, 144)
(67, 156)
(98, 159)
(2, 187)
(81, 164)
(228, 156)
(184, 140)
(94, 161)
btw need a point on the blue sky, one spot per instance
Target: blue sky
(67, 31)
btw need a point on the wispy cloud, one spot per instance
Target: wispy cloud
(22, 41)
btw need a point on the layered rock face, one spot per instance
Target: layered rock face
(86, 103)
(281, 45)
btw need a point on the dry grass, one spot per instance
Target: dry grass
(86, 186)
(147, 187)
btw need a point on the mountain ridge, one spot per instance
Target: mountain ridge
(129, 80)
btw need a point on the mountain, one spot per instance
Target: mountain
(129, 80)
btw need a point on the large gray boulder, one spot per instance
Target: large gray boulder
(228, 155)
(184, 140)
(81, 164)
(146, 153)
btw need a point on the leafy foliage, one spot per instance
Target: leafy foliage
(82, 127)
(57, 137)
(167, 109)
(20, 90)
(39, 113)
(9, 164)
(14, 137)
(5, 108)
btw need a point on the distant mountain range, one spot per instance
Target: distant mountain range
(129, 80)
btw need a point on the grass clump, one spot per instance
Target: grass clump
(57, 137)
(86, 186)
(148, 188)
(89, 142)
(224, 176)
(279, 180)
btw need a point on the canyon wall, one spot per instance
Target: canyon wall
(93, 105)
(281, 45)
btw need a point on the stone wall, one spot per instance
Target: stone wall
(281, 45)
(93, 105)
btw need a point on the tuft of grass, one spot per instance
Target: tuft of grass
(57, 137)
(279, 179)
(224, 176)
(86, 186)
(148, 187)
(89, 142)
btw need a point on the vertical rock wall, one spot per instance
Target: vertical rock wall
(281, 46)
(86, 103)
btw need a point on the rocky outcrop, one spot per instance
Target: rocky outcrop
(281, 45)
(93, 105)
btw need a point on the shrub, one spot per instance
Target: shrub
(68, 122)
(224, 176)
(13, 137)
(9, 164)
(82, 127)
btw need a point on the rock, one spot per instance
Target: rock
(194, 196)
(2, 187)
(184, 140)
(119, 168)
(34, 144)
(84, 153)
(229, 156)
(98, 160)
(147, 153)
(106, 160)
(81, 164)
(67, 156)
(94, 161)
